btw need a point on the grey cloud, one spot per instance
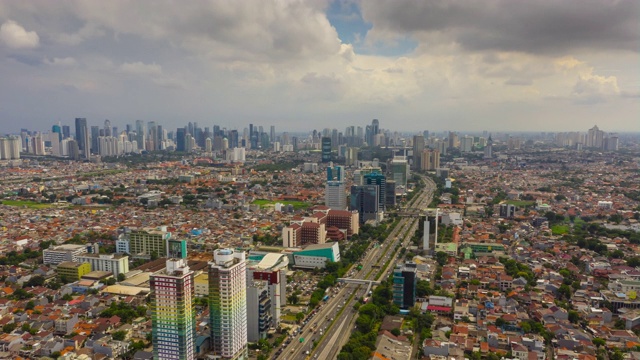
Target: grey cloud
(540, 26)
(519, 82)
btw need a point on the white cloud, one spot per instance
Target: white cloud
(140, 68)
(16, 37)
(67, 61)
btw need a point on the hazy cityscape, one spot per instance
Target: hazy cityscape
(435, 180)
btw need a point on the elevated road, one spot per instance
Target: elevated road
(336, 317)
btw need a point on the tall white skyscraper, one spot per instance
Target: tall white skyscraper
(228, 304)
(334, 192)
(173, 316)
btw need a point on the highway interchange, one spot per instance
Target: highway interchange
(336, 317)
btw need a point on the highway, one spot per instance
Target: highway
(336, 317)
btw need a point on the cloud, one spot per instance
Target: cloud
(590, 88)
(67, 61)
(16, 37)
(140, 68)
(540, 27)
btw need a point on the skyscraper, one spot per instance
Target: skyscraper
(404, 285)
(418, 147)
(82, 137)
(141, 132)
(180, 139)
(66, 131)
(173, 316)
(95, 133)
(57, 130)
(381, 181)
(107, 128)
(272, 134)
(334, 196)
(228, 304)
(326, 149)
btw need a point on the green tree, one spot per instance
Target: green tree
(442, 258)
(119, 335)
(121, 277)
(599, 342)
(9, 328)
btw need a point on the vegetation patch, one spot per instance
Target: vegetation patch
(27, 203)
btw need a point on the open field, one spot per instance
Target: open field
(29, 204)
(296, 204)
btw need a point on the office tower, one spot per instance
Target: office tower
(180, 139)
(233, 139)
(380, 180)
(173, 315)
(95, 134)
(375, 127)
(128, 128)
(390, 194)
(272, 134)
(107, 128)
(259, 318)
(400, 171)
(66, 131)
(488, 149)
(404, 285)
(208, 145)
(159, 138)
(141, 133)
(56, 129)
(82, 137)
(153, 136)
(418, 147)
(326, 149)
(364, 199)
(334, 196)
(228, 304)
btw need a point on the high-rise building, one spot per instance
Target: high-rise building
(400, 171)
(66, 131)
(380, 180)
(334, 196)
(180, 139)
(173, 315)
(488, 149)
(148, 242)
(364, 199)
(107, 128)
(141, 133)
(326, 149)
(57, 130)
(95, 134)
(82, 137)
(228, 304)
(418, 147)
(272, 134)
(404, 285)
(259, 318)
(466, 144)
(430, 159)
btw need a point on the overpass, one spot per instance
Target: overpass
(369, 283)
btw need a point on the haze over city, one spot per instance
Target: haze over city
(298, 65)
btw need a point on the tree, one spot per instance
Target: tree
(121, 277)
(442, 258)
(574, 316)
(293, 299)
(395, 332)
(299, 316)
(500, 322)
(598, 342)
(9, 328)
(119, 335)
(35, 281)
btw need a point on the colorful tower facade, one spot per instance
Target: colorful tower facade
(173, 313)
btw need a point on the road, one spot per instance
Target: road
(336, 317)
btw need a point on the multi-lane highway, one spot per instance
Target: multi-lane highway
(332, 322)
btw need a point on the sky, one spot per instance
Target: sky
(461, 65)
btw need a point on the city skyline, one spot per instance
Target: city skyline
(457, 65)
